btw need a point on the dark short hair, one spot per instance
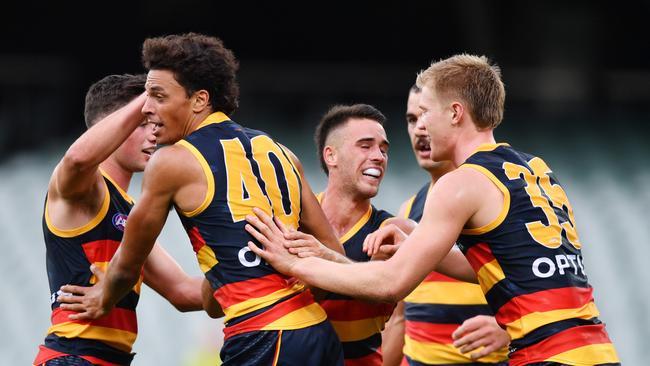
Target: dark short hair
(338, 116)
(198, 62)
(110, 94)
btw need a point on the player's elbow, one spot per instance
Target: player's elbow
(76, 159)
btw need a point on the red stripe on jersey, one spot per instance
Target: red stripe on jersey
(438, 277)
(566, 340)
(117, 318)
(542, 301)
(373, 359)
(100, 250)
(278, 311)
(45, 354)
(237, 292)
(430, 332)
(196, 239)
(478, 255)
(347, 310)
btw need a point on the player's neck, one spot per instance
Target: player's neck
(119, 175)
(343, 210)
(195, 121)
(439, 170)
(470, 143)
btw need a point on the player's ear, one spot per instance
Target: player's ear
(457, 111)
(200, 100)
(329, 155)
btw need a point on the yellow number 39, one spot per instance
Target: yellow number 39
(543, 194)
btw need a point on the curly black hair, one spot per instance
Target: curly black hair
(198, 62)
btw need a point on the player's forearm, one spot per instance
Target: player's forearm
(360, 280)
(118, 282)
(100, 141)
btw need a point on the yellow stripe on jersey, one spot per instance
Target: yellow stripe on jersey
(489, 275)
(209, 193)
(529, 322)
(354, 229)
(448, 293)
(125, 195)
(104, 266)
(207, 258)
(300, 318)
(70, 233)
(356, 330)
(438, 353)
(120, 339)
(593, 354)
(216, 117)
(409, 206)
(504, 209)
(255, 303)
(489, 147)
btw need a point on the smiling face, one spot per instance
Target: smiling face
(357, 154)
(167, 107)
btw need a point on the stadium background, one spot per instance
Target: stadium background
(577, 78)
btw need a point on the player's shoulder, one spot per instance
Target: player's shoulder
(461, 183)
(169, 160)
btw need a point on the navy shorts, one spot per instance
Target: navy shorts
(316, 345)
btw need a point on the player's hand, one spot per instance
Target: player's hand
(86, 301)
(480, 331)
(271, 234)
(304, 245)
(387, 234)
(385, 252)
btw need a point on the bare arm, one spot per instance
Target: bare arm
(77, 173)
(389, 280)
(165, 276)
(210, 304)
(161, 179)
(392, 342)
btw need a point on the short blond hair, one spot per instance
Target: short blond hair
(473, 80)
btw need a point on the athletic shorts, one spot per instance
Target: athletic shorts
(316, 345)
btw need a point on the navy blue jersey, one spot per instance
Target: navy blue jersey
(529, 264)
(245, 168)
(109, 339)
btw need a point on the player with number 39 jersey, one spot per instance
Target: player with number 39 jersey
(517, 268)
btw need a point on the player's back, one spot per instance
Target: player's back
(529, 264)
(244, 169)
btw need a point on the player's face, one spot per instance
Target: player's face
(417, 132)
(135, 151)
(167, 107)
(436, 119)
(362, 156)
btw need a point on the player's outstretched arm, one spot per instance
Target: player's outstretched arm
(389, 280)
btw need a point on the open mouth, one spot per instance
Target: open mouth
(149, 151)
(372, 172)
(423, 147)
